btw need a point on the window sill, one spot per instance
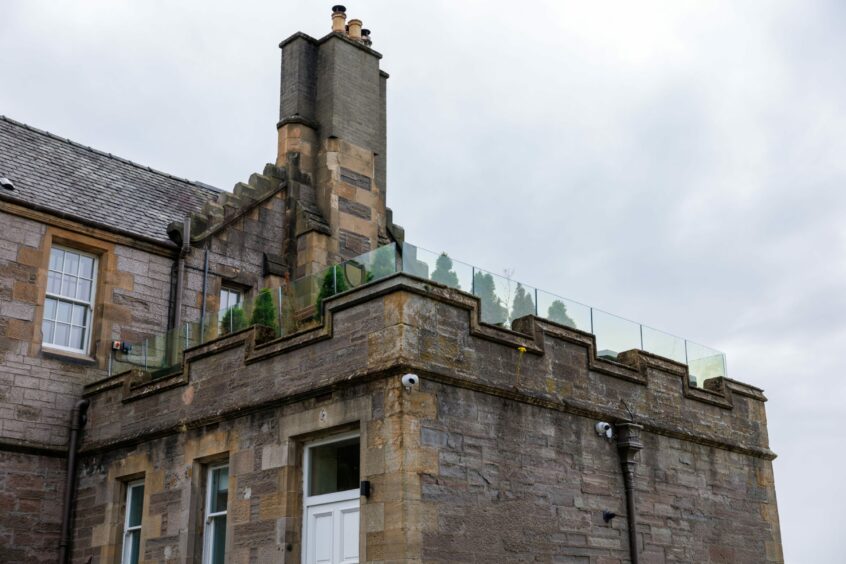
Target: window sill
(68, 356)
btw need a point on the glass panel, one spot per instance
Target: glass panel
(564, 311)
(417, 262)
(83, 290)
(47, 328)
(704, 363)
(71, 263)
(614, 334)
(78, 316)
(49, 308)
(54, 283)
(522, 300)
(220, 489)
(218, 542)
(136, 504)
(131, 547)
(64, 312)
(57, 257)
(334, 467)
(86, 267)
(493, 292)
(61, 336)
(663, 344)
(77, 334)
(69, 286)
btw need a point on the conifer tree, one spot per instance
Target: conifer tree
(233, 320)
(384, 263)
(557, 312)
(264, 312)
(334, 282)
(492, 309)
(443, 272)
(523, 303)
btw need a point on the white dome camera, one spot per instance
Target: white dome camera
(604, 429)
(410, 380)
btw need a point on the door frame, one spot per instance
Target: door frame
(334, 497)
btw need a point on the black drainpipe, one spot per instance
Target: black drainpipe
(205, 289)
(76, 424)
(628, 445)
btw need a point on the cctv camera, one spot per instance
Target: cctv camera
(604, 429)
(410, 380)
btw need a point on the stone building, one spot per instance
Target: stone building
(273, 374)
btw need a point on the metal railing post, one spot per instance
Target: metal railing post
(536, 302)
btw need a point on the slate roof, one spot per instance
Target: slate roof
(72, 180)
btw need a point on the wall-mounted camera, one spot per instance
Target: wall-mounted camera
(410, 380)
(605, 429)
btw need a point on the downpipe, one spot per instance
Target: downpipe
(78, 419)
(628, 445)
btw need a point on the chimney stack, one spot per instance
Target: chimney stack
(339, 18)
(332, 125)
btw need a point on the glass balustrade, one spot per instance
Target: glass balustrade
(299, 305)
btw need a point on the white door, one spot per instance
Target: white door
(331, 519)
(332, 530)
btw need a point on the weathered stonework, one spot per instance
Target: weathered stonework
(492, 458)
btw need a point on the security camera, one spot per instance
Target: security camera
(604, 429)
(410, 380)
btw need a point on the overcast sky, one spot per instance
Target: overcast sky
(677, 163)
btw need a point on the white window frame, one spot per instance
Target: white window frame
(86, 347)
(311, 500)
(126, 555)
(208, 530)
(229, 290)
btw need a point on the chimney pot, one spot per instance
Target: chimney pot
(339, 17)
(355, 30)
(365, 37)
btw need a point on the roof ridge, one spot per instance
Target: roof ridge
(46, 133)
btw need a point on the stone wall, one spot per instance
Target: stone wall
(493, 458)
(521, 483)
(31, 490)
(38, 385)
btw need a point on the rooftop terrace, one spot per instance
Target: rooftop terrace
(502, 301)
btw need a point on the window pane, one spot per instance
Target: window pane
(220, 489)
(86, 267)
(71, 263)
(69, 286)
(77, 334)
(64, 313)
(49, 309)
(218, 541)
(47, 328)
(334, 467)
(54, 283)
(56, 259)
(62, 334)
(78, 317)
(83, 290)
(131, 546)
(136, 503)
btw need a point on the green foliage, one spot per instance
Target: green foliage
(557, 312)
(492, 309)
(523, 303)
(384, 263)
(334, 282)
(233, 320)
(264, 311)
(443, 272)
